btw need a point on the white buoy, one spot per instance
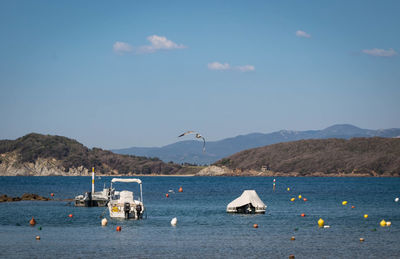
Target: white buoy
(174, 221)
(326, 226)
(397, 199)
(104, 222)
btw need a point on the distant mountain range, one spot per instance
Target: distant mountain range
(190, 151)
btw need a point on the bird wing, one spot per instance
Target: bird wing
(187, 132)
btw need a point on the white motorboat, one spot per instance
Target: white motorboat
(122, 203)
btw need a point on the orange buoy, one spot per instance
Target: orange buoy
(305, 199)
(353, 207)
(255, 226)
(292, 238)
(52, 194)
(70, 215)
(37, 237)
(32, 222)
(167, 195)
(302, 214)
(180, 189)
(119, 228)
(291, 256)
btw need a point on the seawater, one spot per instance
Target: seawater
(204, 228)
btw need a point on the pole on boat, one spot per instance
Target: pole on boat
(141, 195)
(92, 180)
(273, 185)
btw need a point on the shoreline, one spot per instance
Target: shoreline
(227, 175)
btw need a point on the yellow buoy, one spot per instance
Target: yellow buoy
(292, 199)
(383, 223)
(288, 189)
(344, 202)
(365, 215)
(299, 197)
(321, 223)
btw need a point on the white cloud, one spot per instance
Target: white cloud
(380, 52)
(245, 68)
(122, 47)
(159, 43)
(226, 66)
(218, 66)
(156, 43)
(303, 34)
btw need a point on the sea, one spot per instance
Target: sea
(204, 228)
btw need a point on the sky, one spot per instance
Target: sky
(117, 74)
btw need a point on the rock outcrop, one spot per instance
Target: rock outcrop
(24, 197)
(10, 166)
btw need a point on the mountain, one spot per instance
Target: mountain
(317, 157)
(36, 154)
(190, 151)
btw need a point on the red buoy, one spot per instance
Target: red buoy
(70, 215)
(353, 207)
(302, 214)
(32, 222)
(52, 194)
(255, 226)
(167, 195)
(119, 228)
(304, 199)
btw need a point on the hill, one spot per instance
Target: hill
(36, 154)
(190, 151)
(324, 157)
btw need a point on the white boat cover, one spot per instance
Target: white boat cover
(248, 196)
(129, 180)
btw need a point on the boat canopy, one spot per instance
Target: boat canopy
(129, 180)
(247, 197)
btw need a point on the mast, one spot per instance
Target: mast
(92, 180)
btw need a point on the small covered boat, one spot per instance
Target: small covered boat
(247, 203)
(122, 203)
(96, 199)
(93, 199)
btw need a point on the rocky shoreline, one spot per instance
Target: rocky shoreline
(51, 167)
(225, 171)
(24, 197)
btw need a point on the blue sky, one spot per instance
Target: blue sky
(116, 74)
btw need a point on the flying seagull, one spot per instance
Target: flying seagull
(197, 136)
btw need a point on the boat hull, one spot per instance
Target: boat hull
(126, 210)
